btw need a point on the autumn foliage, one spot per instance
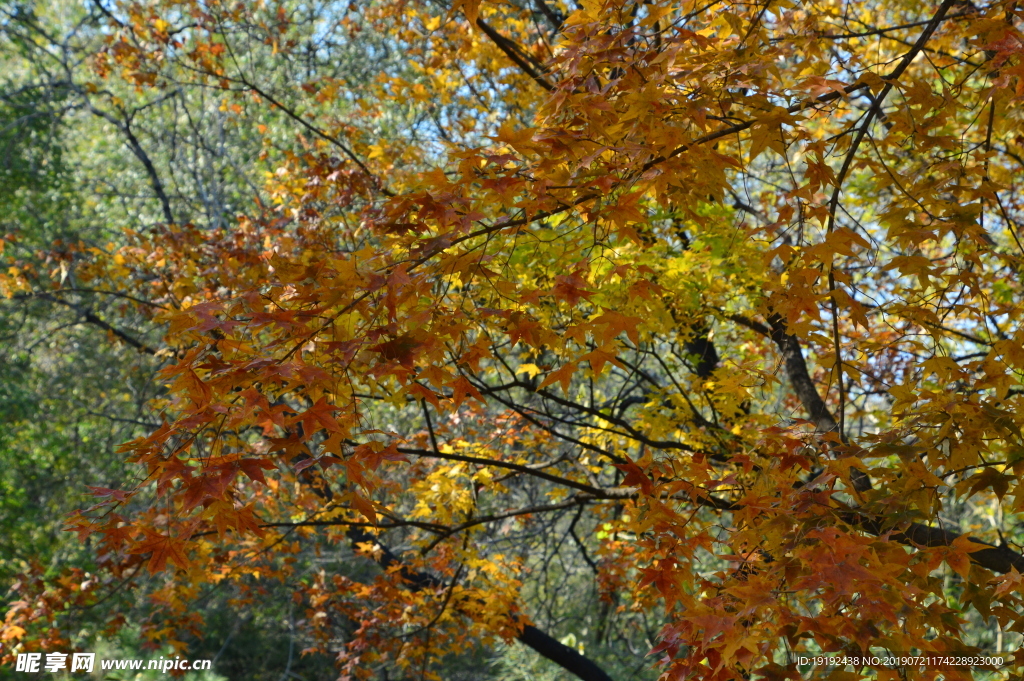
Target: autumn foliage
(725, 297)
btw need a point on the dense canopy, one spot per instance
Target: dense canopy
(658, 339)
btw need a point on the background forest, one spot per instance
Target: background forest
(163, 165)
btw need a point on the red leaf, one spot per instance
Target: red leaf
(117, 494)
(635, 477)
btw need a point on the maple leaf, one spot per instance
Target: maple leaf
(401, 349)
(118, 495)
(570, 288)
(616, 323)
(635, 477)
(471, 8)
(321, 413)
(161, 548)
(601, 356)
(253, 469)
(563, 375)
(364, 506)
(461, 387)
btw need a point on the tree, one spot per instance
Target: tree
(72, 384)
(714, 305)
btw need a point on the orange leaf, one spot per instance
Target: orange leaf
(563, 375)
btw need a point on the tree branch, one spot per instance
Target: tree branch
(700, 497)
(799, 377)
(91, 318)
(318, 132)
(1001, 559)
(142, 156)
(565, 657)
(513, 52)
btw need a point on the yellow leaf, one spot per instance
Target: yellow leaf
(530, 370)
(471, 8)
